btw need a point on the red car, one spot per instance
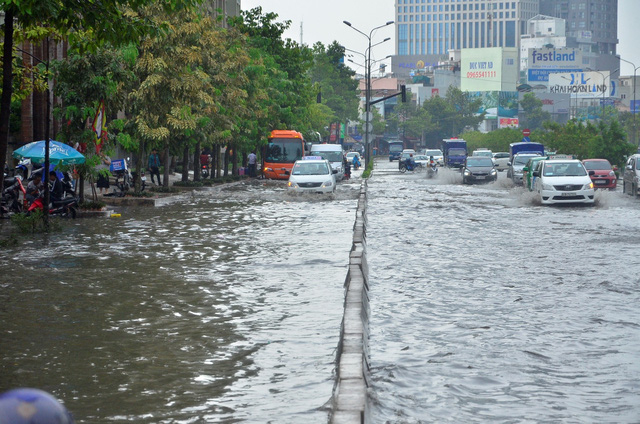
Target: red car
(603, 175)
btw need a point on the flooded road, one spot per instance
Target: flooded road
(225, 307)
(489, 308)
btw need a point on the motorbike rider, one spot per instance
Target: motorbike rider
(34, 188)
(356, 162)
(57, 189)
(432, 163)
(410, 163)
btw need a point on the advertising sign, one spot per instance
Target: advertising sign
(635, 106)
(503, 104)
(481, 69)
(509, 123)
(543, 61)
(582, 85)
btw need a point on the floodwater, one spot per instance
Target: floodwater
(487, 307)
(224, 307)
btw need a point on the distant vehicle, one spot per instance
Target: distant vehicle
(283, 149)
(478, 169)
(501, 159)
(437, 155)
(533, 164)
(406, 153)
(395, 149)
(351, 155)
(483, 152)
(525, 147)
(455, 152)
(603, 176)
(421, 159)
(631, 176)
(563, 181)
(332, 153)
(312, 174)
(515, 171)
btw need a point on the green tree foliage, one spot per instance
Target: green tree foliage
(533, 116)
(335, 81)
(602, 140)
(283, 66)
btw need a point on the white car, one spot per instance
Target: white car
(563, 181)
(351, 155)
(501, 159)
(515, 171)
(437, 155)
(422, 160)
(312, 174)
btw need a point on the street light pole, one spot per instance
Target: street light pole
(367, 96)
(633, 111)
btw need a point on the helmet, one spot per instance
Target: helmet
(32, 406)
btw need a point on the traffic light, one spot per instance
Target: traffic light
(403, 89)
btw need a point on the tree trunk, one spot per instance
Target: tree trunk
(7, 85)
(165, 174)
(234, 162)
(196, 163)
(227, 153)
(137, 181)
(214, 161)
(185, 162)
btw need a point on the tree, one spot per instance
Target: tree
(533, 115)
(115, 21)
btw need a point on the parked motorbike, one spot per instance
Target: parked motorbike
(66, 207)
(124, 180)
(415, 167)
(10, 202)
(143, 180)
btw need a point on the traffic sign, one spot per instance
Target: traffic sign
(526, 140)
(526, 132)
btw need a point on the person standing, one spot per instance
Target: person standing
(154, 165)
(252, 161)
(103, 174)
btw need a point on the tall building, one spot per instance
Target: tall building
(592, 21)
(223, 8)
(427, 30)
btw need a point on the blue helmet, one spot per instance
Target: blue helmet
(32, 406)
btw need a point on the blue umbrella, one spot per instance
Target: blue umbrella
(59, 153)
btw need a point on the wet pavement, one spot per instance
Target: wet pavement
(488, 307)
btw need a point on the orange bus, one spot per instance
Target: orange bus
(284, 148)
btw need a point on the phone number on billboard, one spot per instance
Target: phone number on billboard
(482, 74)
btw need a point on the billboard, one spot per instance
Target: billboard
(488, 69)
(496, 104)
(583, 85)
(508, 123)
(543, 61)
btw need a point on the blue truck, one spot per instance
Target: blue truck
(525, 147)
(395, 149)
(454, 151)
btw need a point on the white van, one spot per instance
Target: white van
(333, 153)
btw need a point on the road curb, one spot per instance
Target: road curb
(350, 391)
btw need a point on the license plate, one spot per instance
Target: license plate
(568, 194)
(480, 178)
(601, 181)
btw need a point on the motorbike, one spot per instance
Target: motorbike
(10, 202)
(66, 207)
(415, 167)
(432, 170)
(143, 180)
(204, 171)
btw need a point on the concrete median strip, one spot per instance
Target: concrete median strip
(350, 393)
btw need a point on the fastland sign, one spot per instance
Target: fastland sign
(549, 56)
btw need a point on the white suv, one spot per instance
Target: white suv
(631, 176)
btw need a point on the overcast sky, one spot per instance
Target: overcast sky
(322, 21)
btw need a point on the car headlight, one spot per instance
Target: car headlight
(494, 172)
(547, 187)
(328, 184)
(612, 174)
(467, 172)
(588, 186)
(292, 184)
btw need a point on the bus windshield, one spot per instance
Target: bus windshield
(284, 150)
(396, 147)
